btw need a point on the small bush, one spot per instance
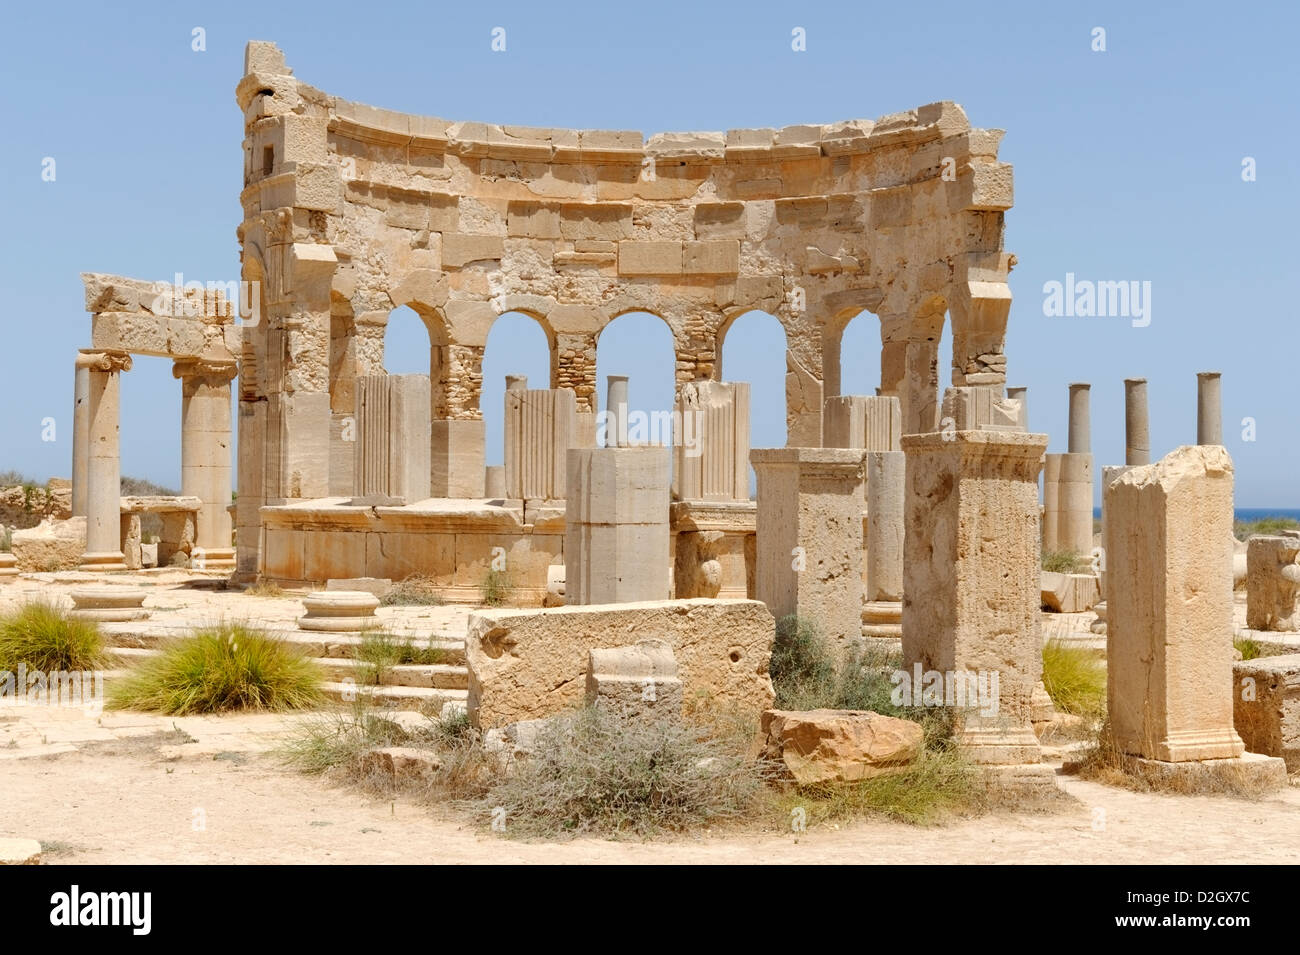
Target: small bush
(417, 590)
(338, 738)
(7, 540)
(264, 588)
(229, 666)
(593, 773)
(497, 588)
(1063, 562)
(802, 665)
(49, 639)
(1075, 679)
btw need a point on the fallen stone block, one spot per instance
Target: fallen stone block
(839, 746)
(639, 681)
(50, 545)
(401, 762)
(1273, 583)
(530, 664)
(20, 852)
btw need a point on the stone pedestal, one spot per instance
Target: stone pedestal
(711, 448)
(616, 538)
(971, 609)
(1169, 610)
(108, 604)
(809, 550)
(539, 430)
(205, 457)
(339, 611)
(103, 470)
(1273, 583)
(458, 454)
(393, 438)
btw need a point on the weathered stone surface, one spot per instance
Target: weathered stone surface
(529, 664)
(50, 545)
(1169, 607)
(340, 611)
(1273, 583)
(839, 746)
(1266, 706)
(636, 682)
(1069, 593)
(108, 604)
(400, 762)
(20, 852)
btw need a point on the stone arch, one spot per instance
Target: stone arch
(757, 356)
(909, 362)
(518, 343)
(653, 382)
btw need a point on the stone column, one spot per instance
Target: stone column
(909, 370)
(1080, 419)
(80, 439)
(809, 550)
(971, 607)
(205, 456)
(1209, 408)
(886, 496)
(616, 412)
(103, 463)
(1137, 434)
(711, 449)
(1170, 615)
(616, 537)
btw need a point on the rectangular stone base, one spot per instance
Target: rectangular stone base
(1250, 770)
(1032, 780)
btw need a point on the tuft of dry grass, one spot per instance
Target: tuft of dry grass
(47, 638)
(1075, 679)
(418, 590)
(264, 588)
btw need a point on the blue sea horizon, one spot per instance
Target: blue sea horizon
(1247, 514)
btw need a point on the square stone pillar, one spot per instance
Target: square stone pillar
(205, 457)
(393, 439)
(886, 487)
(809, 550)
(1169, 607)
(873, 423)
(971, 605)
(1273, 582)
(458, 458)
(616, 536)
(1067, 503)
(711, 448)
(103, 460)
(539, 430)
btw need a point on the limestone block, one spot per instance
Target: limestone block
(458, 458)
(554, 586)
(714, 553)
(971, 562)
(711, 257)
(1069, 593)
(839, 746)
(809, 552)
(652, 257)
(379, 586)
(539, 430)
(1273, 583)
(886, 487)
(50, 545)
(711, 454)
(873, 423)
(494, 482)
(460, 249)
(8, 565)
(1169, 607)
(530, 664)
(1266, 706)
(393, 439)
(980, 407)
(616, 540)
(636, 682)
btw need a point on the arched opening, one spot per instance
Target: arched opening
(859, 352)
(640, 346)
(517, 344)
(150, 434)
(407, 343)
(753, 347)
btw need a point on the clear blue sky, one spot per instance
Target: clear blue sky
(1128, 167)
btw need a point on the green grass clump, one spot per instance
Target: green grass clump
(802, 665)
(49, 639)
(593, 773)
(497, 588)
(230, 666)
(380, 651)
(417, 590)
(338, 738)
(1265, 525)
(1075, 680)
(7, 540)
(1248, 647)
(1064, 562)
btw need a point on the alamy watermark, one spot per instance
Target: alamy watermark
(964, 689)
(635, 428)
(82, 688)
(194, 299)
(1103, 299)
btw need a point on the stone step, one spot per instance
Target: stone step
(422, 699)
(330, 645)
(337, 669)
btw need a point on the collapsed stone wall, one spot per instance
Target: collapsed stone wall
(26, 505)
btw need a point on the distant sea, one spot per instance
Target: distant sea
(1247, 514)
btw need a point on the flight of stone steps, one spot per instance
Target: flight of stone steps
(412, 686)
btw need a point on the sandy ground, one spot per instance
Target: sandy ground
(122, 788)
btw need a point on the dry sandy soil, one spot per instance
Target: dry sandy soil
(129, 794)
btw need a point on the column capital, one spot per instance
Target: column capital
(218, 368)
(104, 359)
